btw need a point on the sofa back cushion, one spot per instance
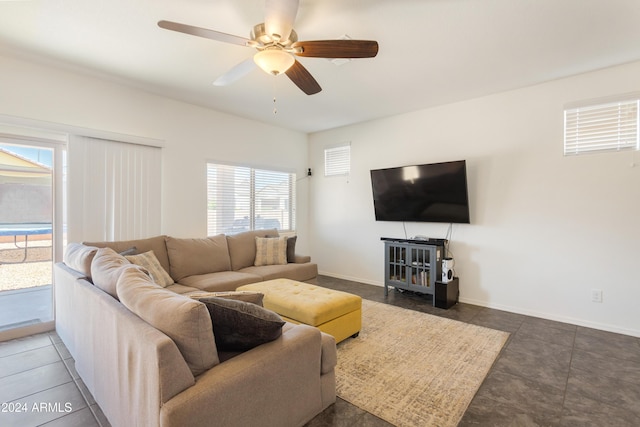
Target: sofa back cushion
(79, 257)
(155, 244)
(186, 321)
(189, 257)
(242, 247)
(106, 268)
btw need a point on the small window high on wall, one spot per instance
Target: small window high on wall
(602, 126)
(242, 198)
(337, 160)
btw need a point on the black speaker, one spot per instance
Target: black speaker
(446, 293)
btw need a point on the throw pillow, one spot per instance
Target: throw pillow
(129, 251)
(149, 261)
(271, 251)
(242, 247)
(240, 326)
(291, 248)
(246, 296)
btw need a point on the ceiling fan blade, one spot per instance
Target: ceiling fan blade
(236, 73)
(203, 32)
(279, 17)
(337, 48)
(303, 79)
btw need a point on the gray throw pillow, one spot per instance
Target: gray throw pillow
(291, 248)
(239, 325)
(246, 296)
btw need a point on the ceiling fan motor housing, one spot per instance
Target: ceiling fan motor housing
(262, 40)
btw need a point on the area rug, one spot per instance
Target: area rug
(414, 369)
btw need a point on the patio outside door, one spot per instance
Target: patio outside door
(27, 233)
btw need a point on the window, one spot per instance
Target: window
(337, 160)
(242, 198)
(610, 126)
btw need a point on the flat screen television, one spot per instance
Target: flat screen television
(435, 192)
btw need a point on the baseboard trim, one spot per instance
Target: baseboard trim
(25, 331)
(351, 278)
(548, 316)
(515, 310)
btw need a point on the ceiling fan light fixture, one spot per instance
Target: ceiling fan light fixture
(274, 61)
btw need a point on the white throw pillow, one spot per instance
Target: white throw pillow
(271, 251)
(150, 262)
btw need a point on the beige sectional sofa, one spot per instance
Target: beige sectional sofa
(147, 353)
(217, 263)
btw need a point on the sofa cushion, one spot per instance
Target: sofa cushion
(271, 251)
(181, 289)
(242, 247)
(246, 296)
(184, 320)
(240, 326)
(297, 271)
(149, 261)
(155, 244)
(106, 268)
(189, 257)
(220, 281)
(79, 257)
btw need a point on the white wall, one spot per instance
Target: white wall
(546, 229)
(192, 135)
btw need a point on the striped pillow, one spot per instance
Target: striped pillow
(271, 251)
(149, 261)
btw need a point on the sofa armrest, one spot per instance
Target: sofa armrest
(70, 272)
(128, 366)
(329, 353)
(301, 259)
(251, 388)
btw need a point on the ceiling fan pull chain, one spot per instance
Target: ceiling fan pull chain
(275, 106)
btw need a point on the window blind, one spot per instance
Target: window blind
(611, 126)
(241, 198)
(337, 160)
(113, 190)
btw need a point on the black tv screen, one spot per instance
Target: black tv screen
(435, 192)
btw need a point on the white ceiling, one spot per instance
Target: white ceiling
(432, 52)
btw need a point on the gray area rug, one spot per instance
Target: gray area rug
(414, 369)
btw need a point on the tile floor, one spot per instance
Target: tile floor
(40, 387)
(548, 374)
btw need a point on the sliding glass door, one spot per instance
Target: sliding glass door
(29, 237)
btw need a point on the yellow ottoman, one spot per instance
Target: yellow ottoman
(334, 312)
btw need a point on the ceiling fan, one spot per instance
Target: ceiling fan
(277, 44)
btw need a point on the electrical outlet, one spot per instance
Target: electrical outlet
(596, 295)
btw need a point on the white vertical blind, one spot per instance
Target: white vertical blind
(114, 190)
(337, 160)
(611, 126)
(241, 198)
